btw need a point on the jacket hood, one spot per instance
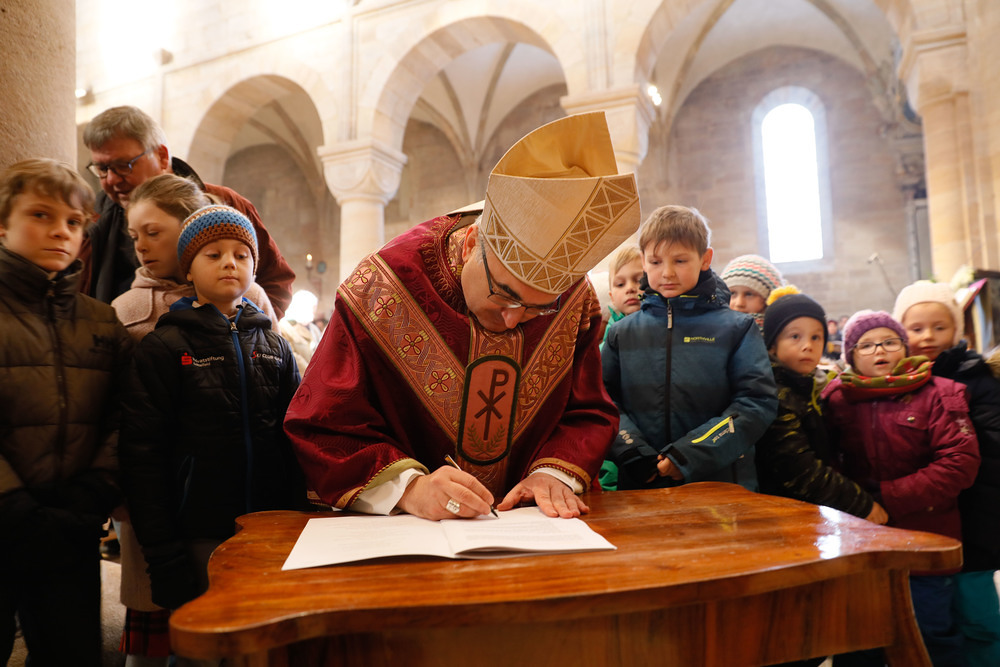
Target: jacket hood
(960, 363)
(183, 169)
(709, 293)
(146, 280)
(32, 283)
(184, 313)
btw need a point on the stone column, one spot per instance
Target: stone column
(935, 66)
(629, 112)
(363, 175)
(38, 77)
(949, 184)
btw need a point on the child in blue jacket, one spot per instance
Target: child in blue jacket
(691, 378)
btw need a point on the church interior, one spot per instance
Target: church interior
(346, 122)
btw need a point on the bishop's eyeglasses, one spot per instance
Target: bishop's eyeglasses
(505, 301)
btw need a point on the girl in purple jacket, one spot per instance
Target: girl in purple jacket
(905, 436)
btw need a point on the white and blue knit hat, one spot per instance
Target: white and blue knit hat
(211, 223)
(753, 272)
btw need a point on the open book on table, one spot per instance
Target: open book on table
(519, 532)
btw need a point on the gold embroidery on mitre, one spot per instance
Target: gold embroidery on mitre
(606, 206)
(555, 204)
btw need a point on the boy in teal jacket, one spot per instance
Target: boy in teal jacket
(691, 378)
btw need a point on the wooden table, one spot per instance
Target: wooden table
(704, 574)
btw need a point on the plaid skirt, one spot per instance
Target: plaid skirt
(146, 633)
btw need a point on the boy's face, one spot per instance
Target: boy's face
(799, 345)
(745, 300)
(154, 233)
(222, 272)
(880, 362)
(673, 269)
(625, 287)
(45, 231)
(930, 329)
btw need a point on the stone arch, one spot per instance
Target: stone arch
(223, 120)
(695, 19)
(386, 103)
(664, 22)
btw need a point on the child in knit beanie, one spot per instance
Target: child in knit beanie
(904, 436)
(794, 456)
(217, 251)
(750, 279)
(933, 323)
(201, 439)
(156, 212)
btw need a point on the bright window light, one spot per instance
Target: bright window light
(791, 184)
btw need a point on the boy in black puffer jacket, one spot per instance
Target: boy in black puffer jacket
(934, 326)
(202, 439)
(62, 356)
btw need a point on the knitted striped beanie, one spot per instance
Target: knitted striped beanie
(753, 272)
(211, 223)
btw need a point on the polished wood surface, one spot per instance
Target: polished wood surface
(704, 574)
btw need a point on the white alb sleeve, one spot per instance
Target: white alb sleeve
(382, 499)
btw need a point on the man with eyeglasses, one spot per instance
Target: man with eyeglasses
(474, 336)
(127, 147)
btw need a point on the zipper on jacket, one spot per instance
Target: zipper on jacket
(669, 412)
(244, 408)
(60, 369)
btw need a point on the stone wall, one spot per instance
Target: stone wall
(292, 213)
(707, 162)
(435, 180)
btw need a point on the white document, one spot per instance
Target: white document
(519, 532)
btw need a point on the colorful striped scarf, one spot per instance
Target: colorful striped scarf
(910, 374)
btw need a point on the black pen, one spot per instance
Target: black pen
(453, 464)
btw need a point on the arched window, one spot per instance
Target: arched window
(793, 202)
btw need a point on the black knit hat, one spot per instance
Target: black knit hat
(789, 304)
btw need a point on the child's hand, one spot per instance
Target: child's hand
(878, 515)
(667, 468)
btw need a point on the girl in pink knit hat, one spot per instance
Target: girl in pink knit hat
(905, 436)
